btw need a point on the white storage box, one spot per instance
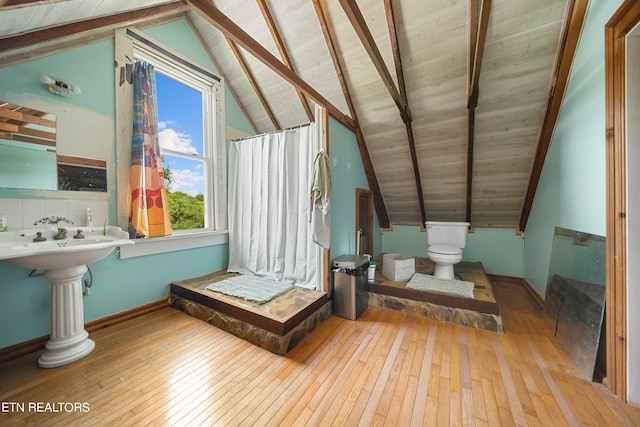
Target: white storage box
(398, 267)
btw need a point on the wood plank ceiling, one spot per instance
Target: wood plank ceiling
(453, 102)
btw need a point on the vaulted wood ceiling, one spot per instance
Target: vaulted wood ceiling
(453, 102)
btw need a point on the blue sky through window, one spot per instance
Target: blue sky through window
(180, 129)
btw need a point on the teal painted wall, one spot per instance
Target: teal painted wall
(119, 285)
(499, 250)
(89, 67)
(572, 188)
(347, 174)
(405, 239)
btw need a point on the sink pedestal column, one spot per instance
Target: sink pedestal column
(68, 341)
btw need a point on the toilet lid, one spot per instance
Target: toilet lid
(445, 249)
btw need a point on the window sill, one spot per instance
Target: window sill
(176, 242)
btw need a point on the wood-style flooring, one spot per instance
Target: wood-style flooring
(386, 368)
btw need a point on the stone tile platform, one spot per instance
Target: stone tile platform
(481, 312)
(277, 326)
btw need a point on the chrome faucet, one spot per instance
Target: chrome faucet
(39, 237)
(62, 234)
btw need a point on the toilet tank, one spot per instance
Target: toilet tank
(451, 233)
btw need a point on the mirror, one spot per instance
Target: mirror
(575, 298)
(29, 158)
(27, 148)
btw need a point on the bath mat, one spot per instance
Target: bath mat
(425, 282)
(251, 288)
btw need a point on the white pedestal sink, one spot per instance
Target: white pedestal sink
(64, 263)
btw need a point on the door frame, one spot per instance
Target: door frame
(616, 30)
(360, 191)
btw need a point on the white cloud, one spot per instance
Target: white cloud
(170, 139)
(187, 181)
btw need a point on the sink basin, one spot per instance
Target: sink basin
(64, 263)
(20, 249)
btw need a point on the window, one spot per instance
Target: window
(193, 145)
(182, 141)
(188, 127)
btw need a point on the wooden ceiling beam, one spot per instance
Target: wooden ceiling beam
(328, 38)
(372, 179)
(268, 17)
(219, 71)
(19, 41)
(360, 26)
(254, 83)
(478, 50)
(395, 47)
(474, 18)
(397, 59)
(230, 29)
(571, 36)
(479, 23)
(15, 4)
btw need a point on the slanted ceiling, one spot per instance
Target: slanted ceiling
(453, 102)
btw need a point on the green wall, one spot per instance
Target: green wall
(499, 249)
(572, 189)
(119, 285)
(347, 174)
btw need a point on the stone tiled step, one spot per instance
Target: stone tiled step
(273, 335)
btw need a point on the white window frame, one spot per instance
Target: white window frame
(136, 45)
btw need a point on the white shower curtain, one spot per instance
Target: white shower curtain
(269, 206)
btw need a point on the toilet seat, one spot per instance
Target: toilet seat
(445, 249)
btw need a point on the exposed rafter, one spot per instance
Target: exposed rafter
(14, 4)
(264, 7)
(254, 83)
(77, 29)
(478, 36)
(372, 179)
(478, 50)
(568, 46)
(220, 21)
(360, 26)
(397, 60)
(214, 61)
(395, 47)
(498, 191)
(326, 33)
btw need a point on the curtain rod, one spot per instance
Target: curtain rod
(171, 55)
(272, 132)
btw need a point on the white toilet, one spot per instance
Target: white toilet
(445, 241)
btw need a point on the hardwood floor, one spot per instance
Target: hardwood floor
(387, 368)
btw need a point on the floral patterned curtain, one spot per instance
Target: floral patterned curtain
(149, 216)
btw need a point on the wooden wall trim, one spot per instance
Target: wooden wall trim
(616, 30)
(520, 281)
(81, 161)
(569, 45)
(37, 344)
